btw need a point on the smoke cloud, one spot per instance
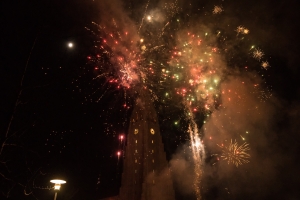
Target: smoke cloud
(244, 117)
(268, 125)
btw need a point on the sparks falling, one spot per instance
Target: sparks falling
(198, 153)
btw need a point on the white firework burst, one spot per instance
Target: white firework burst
(242, 30)
(217, 10)
(258, 54)
(265, 64)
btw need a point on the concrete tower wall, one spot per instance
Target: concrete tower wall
(145, 173)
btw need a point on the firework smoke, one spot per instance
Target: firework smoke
(188, 64)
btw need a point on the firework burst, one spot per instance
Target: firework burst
(235, 154)
(265, 64)
(180, 66)
(242, 30)
(217, 10)
(258, 54)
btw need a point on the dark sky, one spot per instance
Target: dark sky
(60, 129)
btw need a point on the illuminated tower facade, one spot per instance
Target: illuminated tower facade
(146, 175)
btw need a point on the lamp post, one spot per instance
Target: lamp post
(57, 185)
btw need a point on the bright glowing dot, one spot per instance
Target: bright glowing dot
(141, 40)
(175, 123)
(246, 31)
(70, 45)
(149, 17)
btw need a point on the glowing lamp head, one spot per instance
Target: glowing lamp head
(70, 44)
(57, 183)
(57, 187)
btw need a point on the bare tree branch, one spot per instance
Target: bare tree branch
(21, 89)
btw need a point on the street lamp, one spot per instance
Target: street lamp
(57, 185)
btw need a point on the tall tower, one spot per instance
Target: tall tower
(146, 175)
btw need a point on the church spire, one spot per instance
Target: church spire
(146, 174)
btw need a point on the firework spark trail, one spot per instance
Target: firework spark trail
(198, 154)
(163, 30)
(156, 47)
(197, 147)
(100, 75)
(144, 16)
(103, 94)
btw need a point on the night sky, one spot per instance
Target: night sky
(59, 121)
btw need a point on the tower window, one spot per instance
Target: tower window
(136, 131)
(152, 131)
